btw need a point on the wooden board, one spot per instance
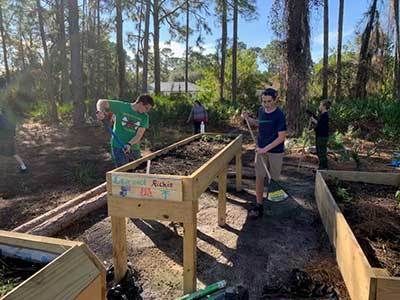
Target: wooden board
(150, 209)
(93, 290)
(145, 186)
(367, 177)
(42, 243)
(64, 278)
(362, 281)
(206, 174)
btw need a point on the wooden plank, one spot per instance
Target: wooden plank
(388, 288)
(206, 174)
(42, 243)
(189, 255)
(73, 202)
(63, 278)
(367, 177)
(97, 262)
(118, 232)
(136, 163)
(238, 165)
(222, 197)
(145, 186)
(151, 209)
(351, 260)
(93, 290)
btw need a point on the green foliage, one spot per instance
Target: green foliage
(85, 174)
(373, 118)
(343, 195)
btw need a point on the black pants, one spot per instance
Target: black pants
(321, 144)
(196, 127)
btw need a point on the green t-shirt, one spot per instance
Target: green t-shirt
(127, 122)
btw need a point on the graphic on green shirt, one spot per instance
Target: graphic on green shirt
(127, 122)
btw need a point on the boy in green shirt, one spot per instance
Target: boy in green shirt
(130, 122)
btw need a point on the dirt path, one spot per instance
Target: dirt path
(246, 252)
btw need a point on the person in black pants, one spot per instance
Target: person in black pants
(322, 133)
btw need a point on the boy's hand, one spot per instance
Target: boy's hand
(261, 150)
(100, 115)
(127, 148)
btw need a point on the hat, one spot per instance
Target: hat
(270, 92)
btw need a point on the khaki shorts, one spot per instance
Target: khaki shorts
(273, 162)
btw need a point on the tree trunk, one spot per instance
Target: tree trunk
(120, 51)
(156, 36)
(21, 44)
(138, 48)
(187, 48)
(360, 87)
(4, 44)
(99, 55)
(299, 59)
(224, 37)
(326, 51)
(76, 67)
(146, 47)
(47, 67)
(397, 51)
(339, 52)
(234, 52)
(61, 208)
(65, 92)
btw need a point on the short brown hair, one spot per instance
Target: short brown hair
(326, 103)
(145, 99)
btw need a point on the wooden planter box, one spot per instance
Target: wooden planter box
(179, 203)
(362, 281)
(72, 271)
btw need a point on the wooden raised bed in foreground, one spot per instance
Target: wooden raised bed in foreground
(172, 198)
(72, 270)
(362, 280)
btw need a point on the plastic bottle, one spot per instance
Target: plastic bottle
(202, 127)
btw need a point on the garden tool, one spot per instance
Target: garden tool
(110, 131)
(212, 288)
(277, 195)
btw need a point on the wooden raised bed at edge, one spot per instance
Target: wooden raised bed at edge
(72, 270)
(180, 206)
(362, 281)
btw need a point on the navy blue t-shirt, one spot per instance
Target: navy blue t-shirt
(269, 126)
(322, 128)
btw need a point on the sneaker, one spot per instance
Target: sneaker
(257, 211)
(22, 170)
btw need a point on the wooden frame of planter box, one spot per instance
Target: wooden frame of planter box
(362, 280)
(75, 273)
(184, 211)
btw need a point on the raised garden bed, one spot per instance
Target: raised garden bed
(35, 267)
(362, 219)
(178, 175)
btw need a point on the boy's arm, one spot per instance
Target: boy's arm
(139, 134)
(279, 140)
(102, 106)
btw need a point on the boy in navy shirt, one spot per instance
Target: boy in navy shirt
(271, 125)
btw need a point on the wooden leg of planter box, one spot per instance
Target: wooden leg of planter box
(118, 228)
(238, 172)
(189, 255)
(222, 197)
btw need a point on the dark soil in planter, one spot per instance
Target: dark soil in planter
(373, 214)
(14, 271)
(188, 158)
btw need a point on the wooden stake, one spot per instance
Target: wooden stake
(118, 229)
(222, 197)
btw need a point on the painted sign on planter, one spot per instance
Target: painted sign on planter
(143, 186)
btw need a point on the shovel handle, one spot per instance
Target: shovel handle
(262, 157)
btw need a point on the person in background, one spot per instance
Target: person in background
(8, 126)
(322, 132)
(198, 114)
(130, 122)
